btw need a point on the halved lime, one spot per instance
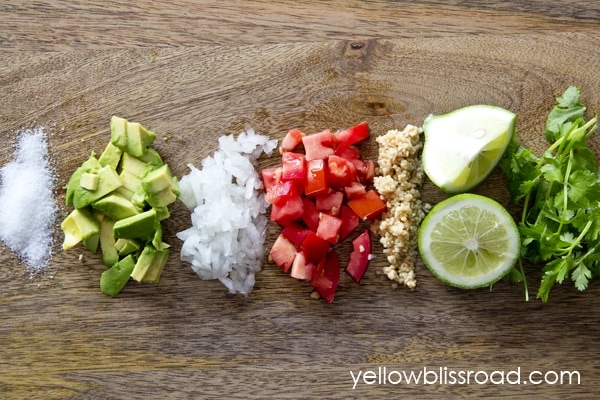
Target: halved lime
(469, 241)
(462, 147)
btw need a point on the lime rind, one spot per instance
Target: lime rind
(469, 241)
(462, 147)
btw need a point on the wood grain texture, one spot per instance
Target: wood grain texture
(60, 25)
(186, 338)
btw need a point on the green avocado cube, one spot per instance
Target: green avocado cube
(140, 226)
(118, 132)
(150, 265)
(152, 158)
(126, 246)
(89, 181)
(114, 279)
(116, 206)
(110, 156)
(77, 226)
(110, 255)
(138, 139)
(134, 166)
(108, 181)
(91, 165)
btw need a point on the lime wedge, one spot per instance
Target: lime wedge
(462, 147)
(469, 241)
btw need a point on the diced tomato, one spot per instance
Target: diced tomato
(316, 181)
(294, 166)
(310, 215)
(329, 228)
(319, 146)
(365, 169)
(340, 172)
(314, 247)
(359, 258)
(291, 140)
(349, 222)
(280, 192)
(270, 176)
(356, 189)
(288, 211)
(302, 268)
(283, 253)
(326, 277)
(353, 135)
(368, 206)
(347, 152)
(330, 202)
(295, 233)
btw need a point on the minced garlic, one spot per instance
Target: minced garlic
(398, 181)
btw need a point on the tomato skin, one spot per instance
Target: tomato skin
(288, 211)
(368, 206)
(329, 228)
(291, 140)
(314, 247)
(295, 233)
(347, 152)
(349, 222)
(359, 258)
(283, 253)
(354, 134)
(315, 182)
(319, 146)
(340, 172)
(326, 277)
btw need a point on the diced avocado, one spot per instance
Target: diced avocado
(108, 180)
(89, 181)
(107, 242)
(114, 279)
(126, 246)
(93, 241)
(116, 206)
(91, 165)
(161, 187)
(150, 265)
(110, 156)
(138, 139)
(162, 213)
(134, 166)
(140, 226)
(157, 239)
(77, 226)
(130, 137)
(118, 132)
(123, 191)
(130, 181)
(152, 158)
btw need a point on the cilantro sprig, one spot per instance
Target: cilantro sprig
(560, 193)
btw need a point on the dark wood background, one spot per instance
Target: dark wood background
(195, 70)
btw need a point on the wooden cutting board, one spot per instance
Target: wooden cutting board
(273, 67)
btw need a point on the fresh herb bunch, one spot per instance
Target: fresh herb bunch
(560, 192)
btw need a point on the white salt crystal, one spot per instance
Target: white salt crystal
(27, 206)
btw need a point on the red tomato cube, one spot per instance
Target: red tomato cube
(291, 140)
(310, 215)
(283, 253)
(295, 233)
(359, 258)
(301, 268)
(330, 202)
(286, 212)
(368, 206)
(329, 228)
(294, 166)
(326, 277)
(340, 172)
(319, 146)
(349, 222)
(316, 181)
(315, 249)
(353, 135)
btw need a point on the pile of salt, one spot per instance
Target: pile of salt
(27, 206)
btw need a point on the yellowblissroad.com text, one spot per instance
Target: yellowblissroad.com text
(449, 376)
